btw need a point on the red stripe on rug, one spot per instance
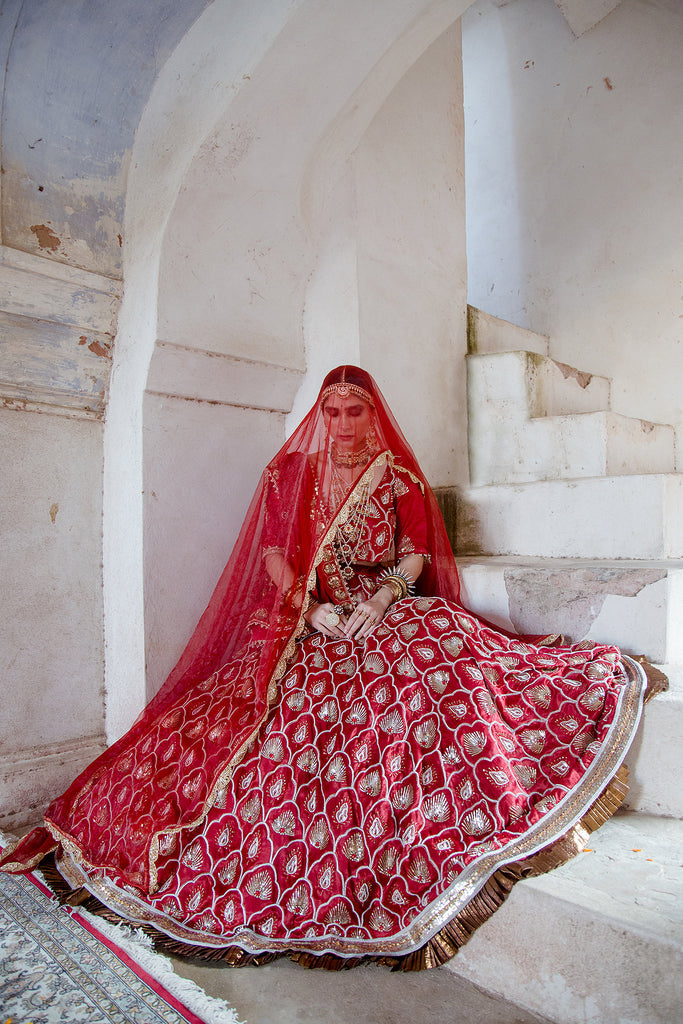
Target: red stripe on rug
(152, 982)
(120, 953)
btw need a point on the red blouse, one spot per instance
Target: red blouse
(395, 525)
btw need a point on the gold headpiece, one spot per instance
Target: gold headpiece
(344, 390)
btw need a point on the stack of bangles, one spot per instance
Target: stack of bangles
(397, 581)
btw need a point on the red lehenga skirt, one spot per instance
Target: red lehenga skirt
(398, 789)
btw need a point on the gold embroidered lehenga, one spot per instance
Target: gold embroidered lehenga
(332, 800)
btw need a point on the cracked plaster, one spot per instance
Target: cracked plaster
(570, 599)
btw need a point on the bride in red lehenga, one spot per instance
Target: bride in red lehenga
(345, 763)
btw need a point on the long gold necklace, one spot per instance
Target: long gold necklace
(349, 535)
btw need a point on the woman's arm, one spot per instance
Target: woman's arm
(282, 574)
(280, 571)
(368, 614)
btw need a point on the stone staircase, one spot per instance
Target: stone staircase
(574, 523)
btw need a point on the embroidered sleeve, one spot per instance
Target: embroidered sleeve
(411, 521)
(272, 533)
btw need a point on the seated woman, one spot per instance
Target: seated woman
(345, 763)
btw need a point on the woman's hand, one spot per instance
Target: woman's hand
(367, 614)
(317, 616)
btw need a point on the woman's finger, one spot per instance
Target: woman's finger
(355, 621)
(325, 624)
(367, 627)
(361, 622)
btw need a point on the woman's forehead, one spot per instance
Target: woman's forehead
(335, 402)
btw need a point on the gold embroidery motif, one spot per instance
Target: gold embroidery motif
(464, 886)
(285, 824)
(260, 885)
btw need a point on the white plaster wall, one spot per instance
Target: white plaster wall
(50, 518)
(51, 659)
(330, 320)
(75, 78)
(202, 463)
(412, 271)
(574, 160)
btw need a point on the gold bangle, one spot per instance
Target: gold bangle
(398, 581)
(392, 592)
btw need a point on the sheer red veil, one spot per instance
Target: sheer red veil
(287, 515)
(287, 491)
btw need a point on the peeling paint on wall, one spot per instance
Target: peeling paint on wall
(50, 363)
(571, 599)
(67, 136)
(582, 378)
(97, 347)
(47, 239)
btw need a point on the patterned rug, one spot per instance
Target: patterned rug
(58, 967)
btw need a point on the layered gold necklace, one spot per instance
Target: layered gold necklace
(349, 534)
(353, 458)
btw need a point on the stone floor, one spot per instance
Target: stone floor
(284, 993)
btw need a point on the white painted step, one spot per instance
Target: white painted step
(531, 418)
(487, 333)
(599, 940)
(621, 517)
(526, 384)
(637, 605)
(656, 757)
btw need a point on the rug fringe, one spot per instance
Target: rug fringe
(140, 947)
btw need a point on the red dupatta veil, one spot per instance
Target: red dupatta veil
(118, 811)
(288, 490)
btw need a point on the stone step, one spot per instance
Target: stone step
(487, 333)
(285, 993)
(527, 384)
(599, 940)
(636, 605)
(531, 418)
(621, 517)
(656, 758)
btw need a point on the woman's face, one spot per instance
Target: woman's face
(348, 421)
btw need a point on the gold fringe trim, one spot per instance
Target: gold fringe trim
(436, 952)
(657, 681)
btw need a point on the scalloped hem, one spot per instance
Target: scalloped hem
(437, 951)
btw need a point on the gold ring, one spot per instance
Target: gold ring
(332, 619)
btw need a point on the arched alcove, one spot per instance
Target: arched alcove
(285, 159)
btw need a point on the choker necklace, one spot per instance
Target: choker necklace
(364, 454)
